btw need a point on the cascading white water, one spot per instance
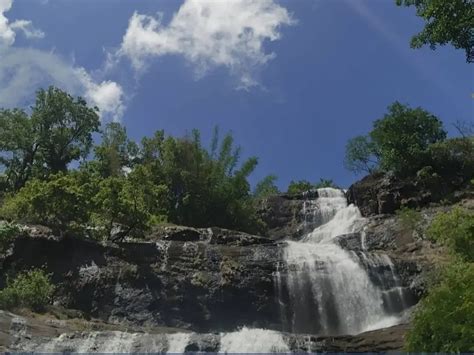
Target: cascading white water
(329, 290)
(248, 340)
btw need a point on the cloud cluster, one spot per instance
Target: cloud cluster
(23, 70)
(8, 29)
(209, 33)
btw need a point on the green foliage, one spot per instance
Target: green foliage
(322, 183)
(408, 217)
(266, 187)
(444, 321)
(453, 158)
(62, 202)
(446, 22)
(402, 137)
(128, 202)
(58, 132)
(116, 152)
(300, 186)
(32, 289)
(398, 142)
(8, 231)
(360, 155)
(456, 230)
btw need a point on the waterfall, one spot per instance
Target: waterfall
(328, 289)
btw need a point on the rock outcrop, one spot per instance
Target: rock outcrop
(197, 279)
(382, 193)
(26, 333)
(286, 215)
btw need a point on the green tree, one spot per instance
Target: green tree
(133, 203)
(456, 230)
(361, 155)
(58, 132)
(402, 137)
(266, 187)
(444, 321)
(116, 153)
(18, 147)
(63, 202)
(453, 158)
(297, 187)
(446, 21)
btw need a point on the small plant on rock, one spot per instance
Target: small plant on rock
(32, 289)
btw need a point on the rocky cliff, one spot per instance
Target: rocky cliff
(204, 282)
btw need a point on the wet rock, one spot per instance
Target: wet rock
(285, 217)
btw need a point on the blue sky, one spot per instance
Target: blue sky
(306, 77)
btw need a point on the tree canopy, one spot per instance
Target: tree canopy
(446, 21)
(398, 142)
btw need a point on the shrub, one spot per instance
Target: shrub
(297, 187)
(409, 218)
(453, 158)
(455, 229)
(31, 289)
(8, 232)
(444, 321)
(62, 202)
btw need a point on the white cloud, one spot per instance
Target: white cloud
(7, 29)
(209, 33)
(24, 70)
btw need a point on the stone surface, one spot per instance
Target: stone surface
(285, 216)
(28, 332)
(381, 193)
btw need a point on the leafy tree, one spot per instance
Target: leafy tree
(266, 187)
(116, 153)
(62, 202)
(8, 232)
(361, 155)
(446, 22)
(32, 289)
(456, 230)
(58, 132)
(18, 147)
(444, 321)
(402, 137)
(297, 187)
(453, 158)
(128, 202)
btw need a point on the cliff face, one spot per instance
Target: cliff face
(204, 281)
(384, 193)
(184, 277)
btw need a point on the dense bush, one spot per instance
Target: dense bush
(444, 321)
(8, 231)
(456, 230)
(453, 158)
(63, 201)
(32, 289)
(409, 218)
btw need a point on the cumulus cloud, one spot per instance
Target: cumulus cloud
(209, 33)
(8, 29)
(24, 70)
